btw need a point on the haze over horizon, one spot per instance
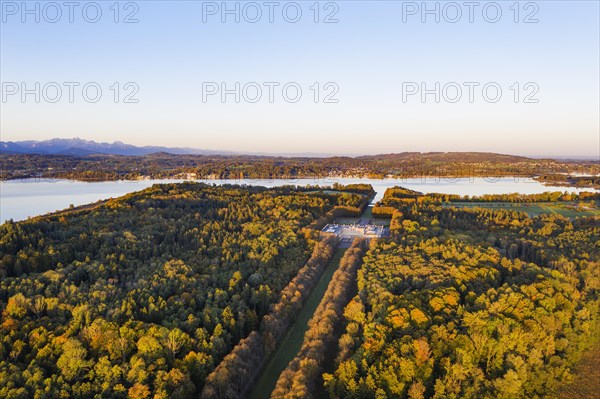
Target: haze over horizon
(367, 61)
(163, 147)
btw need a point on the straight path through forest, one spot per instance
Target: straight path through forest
(293, 340)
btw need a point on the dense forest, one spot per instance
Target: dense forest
(185, 290)
(239, 167)
(469, 303)
(144, 295)
(237, 372)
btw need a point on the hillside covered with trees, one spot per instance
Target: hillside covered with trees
(98, 167)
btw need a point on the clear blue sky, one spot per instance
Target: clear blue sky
(369, 54)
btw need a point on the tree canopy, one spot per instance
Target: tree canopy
(144, 295)
(469, 303)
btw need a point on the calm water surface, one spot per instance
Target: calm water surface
(20, 199)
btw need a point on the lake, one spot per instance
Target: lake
(20, 199)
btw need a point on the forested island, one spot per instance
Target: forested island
(99, 167)
(187, 290)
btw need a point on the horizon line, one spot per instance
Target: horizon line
(305, 154)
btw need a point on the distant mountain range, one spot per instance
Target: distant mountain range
(81, 147)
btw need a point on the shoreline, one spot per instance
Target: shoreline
(318, 180)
